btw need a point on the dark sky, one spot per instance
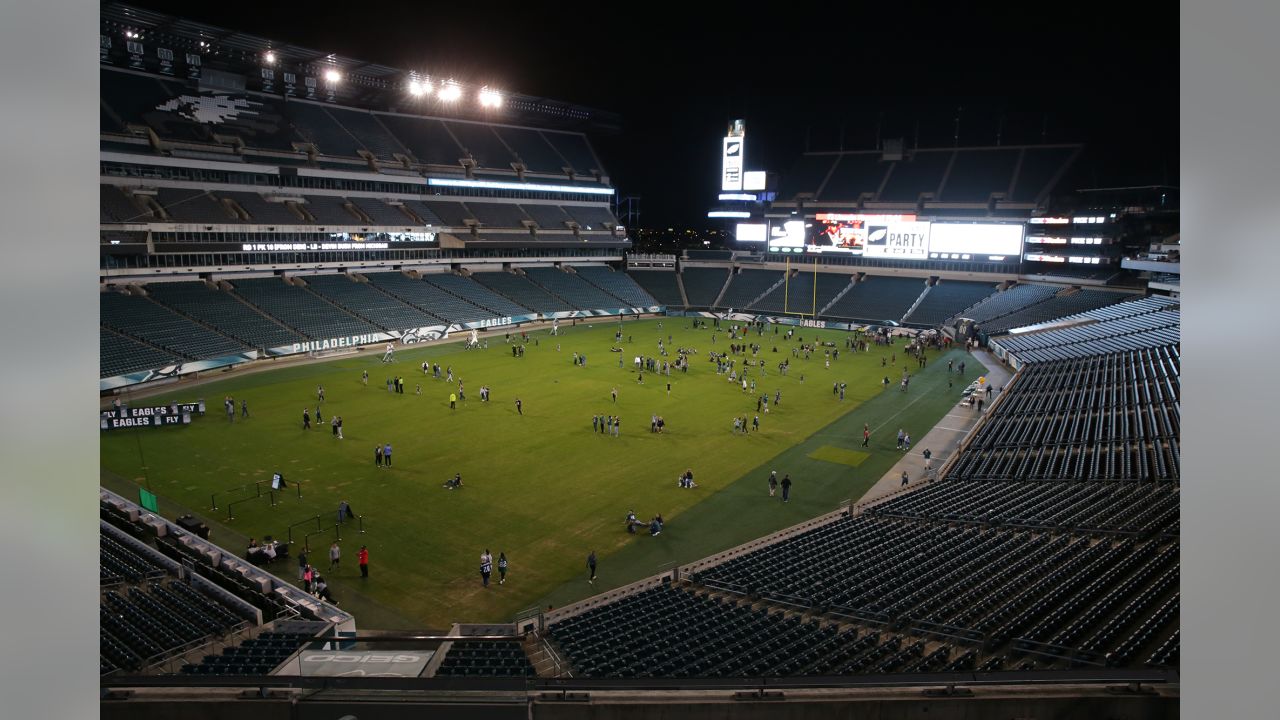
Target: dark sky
(1103, 74)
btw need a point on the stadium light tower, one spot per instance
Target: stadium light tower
(418, 88)
(450, 91)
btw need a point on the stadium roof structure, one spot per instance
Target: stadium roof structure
(364, 83)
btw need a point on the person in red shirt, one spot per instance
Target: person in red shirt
(363, 557)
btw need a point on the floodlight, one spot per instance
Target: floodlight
(418, 88)
(490, 98)
(332, 76)
(450, 92)
(270, 58)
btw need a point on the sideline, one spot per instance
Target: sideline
(197, 379)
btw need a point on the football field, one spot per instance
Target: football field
(540, 485)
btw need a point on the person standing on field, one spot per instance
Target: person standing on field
(786, 488)
(773, 482)
(363, 558)
(502, 568)
(335, 555)
(486, 567)
(591, 565)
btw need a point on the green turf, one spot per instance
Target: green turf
(840, 456)
(542, 487)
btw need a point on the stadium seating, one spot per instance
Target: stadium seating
(976, 174)
(262, 212)
(366, 301)
(146, 615)
(703, 285)
(329, 210)
(591, 217)
(1088, 506)
(1039, 167)
(151, 322)
(498, 215)
(798, 296)
(920, 173)
(854, 174)
(475, 293)
(381, 213)
(532, 149)
(299, 309)
(520, 289)
(661, 284)
(116, 206)
(574, 149)
(878, 298)
(1050, 309)
(483, 145)
(194, 206)
(573, 289)
(746, 286)
(366, 128)
(314, 123)
(1009, 301)
(429, 298)
(487, 659)
(451, 213)
(258, 656)
(1146, 330)
(223, 311)
(548, 217)
(807, 176)
(1111, 416)
(943, 299)
(175, 111)
(426, 139)
(619, 285)
(119, 355)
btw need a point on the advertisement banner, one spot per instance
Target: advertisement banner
(731, 177)
(174, 371)
(363, 663)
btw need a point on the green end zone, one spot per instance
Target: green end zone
(840, 456)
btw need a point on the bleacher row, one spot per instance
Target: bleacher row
(219, 207)
(146, 614)
(951, 174)
(179, 112)
(1106, 417)
(178, 321)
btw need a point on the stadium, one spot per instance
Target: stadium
(913, 441)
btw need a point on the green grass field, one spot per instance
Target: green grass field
(541, 487)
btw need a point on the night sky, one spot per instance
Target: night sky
(1106, 75)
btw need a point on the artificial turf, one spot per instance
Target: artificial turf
(541, 487)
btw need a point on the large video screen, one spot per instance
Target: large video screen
(901, 237)
(976, 239)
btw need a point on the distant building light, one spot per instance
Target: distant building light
(728, 214)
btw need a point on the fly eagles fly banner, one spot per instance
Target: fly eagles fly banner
(157, 416)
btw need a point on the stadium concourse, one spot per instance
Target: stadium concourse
(270, 229)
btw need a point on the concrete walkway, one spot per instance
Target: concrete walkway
(944, 439)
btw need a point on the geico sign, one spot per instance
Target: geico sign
(362, 658)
